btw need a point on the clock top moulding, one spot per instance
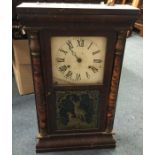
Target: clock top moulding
(47, 14)
(17, 2)
(75, 1)
(69, 20)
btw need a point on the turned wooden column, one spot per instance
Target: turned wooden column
(117, 66)
(38, 82)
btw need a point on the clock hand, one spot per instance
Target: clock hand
(74, 54)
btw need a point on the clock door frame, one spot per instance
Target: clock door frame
(50, 89)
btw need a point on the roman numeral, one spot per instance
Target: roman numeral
(70, 45)
(90, 45)
(69, 74)
(97, 60)
(78, 77)
(63, 68)
(94, 69)
(80, 43)
(87, 75)
(60, 59)
(61, 50)
(95, 52)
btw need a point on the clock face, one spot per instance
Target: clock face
(78, 60)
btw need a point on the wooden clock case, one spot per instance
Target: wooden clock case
(41, 24)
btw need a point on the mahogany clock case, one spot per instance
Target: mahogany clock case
(42, 24)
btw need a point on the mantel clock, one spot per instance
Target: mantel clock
(76, 52)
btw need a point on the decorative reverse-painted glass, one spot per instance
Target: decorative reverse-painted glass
(77, 109)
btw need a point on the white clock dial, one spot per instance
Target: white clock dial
(78, 60)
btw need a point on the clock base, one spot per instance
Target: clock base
(74, 142)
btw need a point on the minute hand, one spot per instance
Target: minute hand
(74, 54)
